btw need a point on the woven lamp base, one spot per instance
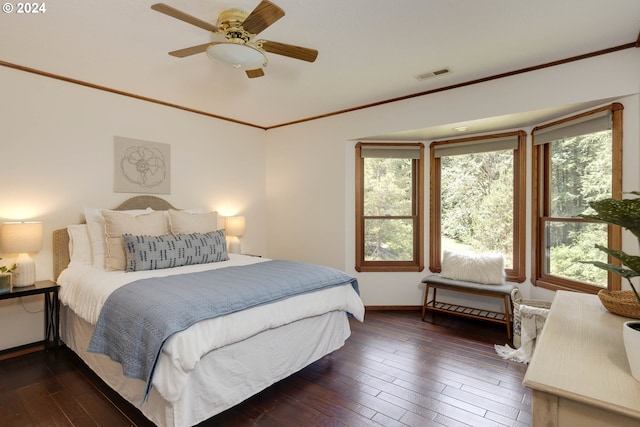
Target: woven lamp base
(622, 303)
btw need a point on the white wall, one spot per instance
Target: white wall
(294, 184)
(310, 167)
(57, 150)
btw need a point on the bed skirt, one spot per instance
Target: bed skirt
(224, 377)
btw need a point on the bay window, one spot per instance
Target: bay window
(389, 212)
(575, 160)
(478, 198)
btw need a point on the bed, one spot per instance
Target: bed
(207, 366)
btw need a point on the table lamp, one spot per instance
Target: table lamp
(22, 238)
(234, 228)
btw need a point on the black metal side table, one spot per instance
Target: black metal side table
(49, 289)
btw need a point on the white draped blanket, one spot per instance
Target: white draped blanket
(532, 322)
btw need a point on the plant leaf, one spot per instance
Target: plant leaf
(625, 213)
(631, 261)
(623, 272)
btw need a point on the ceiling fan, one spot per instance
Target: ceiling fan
(239, 28)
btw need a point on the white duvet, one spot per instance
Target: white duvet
(84, 289)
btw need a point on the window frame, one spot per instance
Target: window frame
(541, 204)
(417, 264)
(517, 272)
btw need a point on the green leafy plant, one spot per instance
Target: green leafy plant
(5, 269)
(626, 214)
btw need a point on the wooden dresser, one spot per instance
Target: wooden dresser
(579, 372)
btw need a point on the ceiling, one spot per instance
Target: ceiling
(369, 50)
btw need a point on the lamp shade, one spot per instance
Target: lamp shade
(237, 55)
(21, 237)
(234, 226)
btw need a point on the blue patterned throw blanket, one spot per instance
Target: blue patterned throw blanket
(139, 317)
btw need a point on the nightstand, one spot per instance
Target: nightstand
(49, 289)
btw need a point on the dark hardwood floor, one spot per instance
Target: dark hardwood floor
(395, 370)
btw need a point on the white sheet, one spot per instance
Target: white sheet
(85, 289)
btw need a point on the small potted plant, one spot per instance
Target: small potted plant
(626, 214)
(5, 277)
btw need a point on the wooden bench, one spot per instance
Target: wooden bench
(502, 291)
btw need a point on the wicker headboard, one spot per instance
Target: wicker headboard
(61, 256)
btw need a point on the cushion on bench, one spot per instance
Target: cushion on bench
(443, 282)
(487, 268)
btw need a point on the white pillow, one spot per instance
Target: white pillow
(485, 268)
(118, 223)
(79, 245)
(95, 226)
(187, 222)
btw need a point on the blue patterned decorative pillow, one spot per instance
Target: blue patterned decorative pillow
(174, 250)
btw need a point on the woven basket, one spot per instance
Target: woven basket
(623, 303)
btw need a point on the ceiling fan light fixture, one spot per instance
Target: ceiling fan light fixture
(239, 56)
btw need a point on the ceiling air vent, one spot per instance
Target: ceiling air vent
(436, 73)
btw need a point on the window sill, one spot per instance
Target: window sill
(566, 287)
(389, 268)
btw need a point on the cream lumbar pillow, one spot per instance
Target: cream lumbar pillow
(117, 224)
(487, 268)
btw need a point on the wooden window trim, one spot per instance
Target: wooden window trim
(417, 201)
(515, 274)
(540, 164)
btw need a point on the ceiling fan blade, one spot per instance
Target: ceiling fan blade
(175, 13)
(265, 14)
(181, 53)
(296, 52)
(252, 74)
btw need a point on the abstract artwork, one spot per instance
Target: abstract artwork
(141, 166)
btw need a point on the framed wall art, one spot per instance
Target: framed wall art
(141, 166)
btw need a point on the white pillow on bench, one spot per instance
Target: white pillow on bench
(485, 268)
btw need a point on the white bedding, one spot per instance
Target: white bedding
(84, 289)
(87, 301)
